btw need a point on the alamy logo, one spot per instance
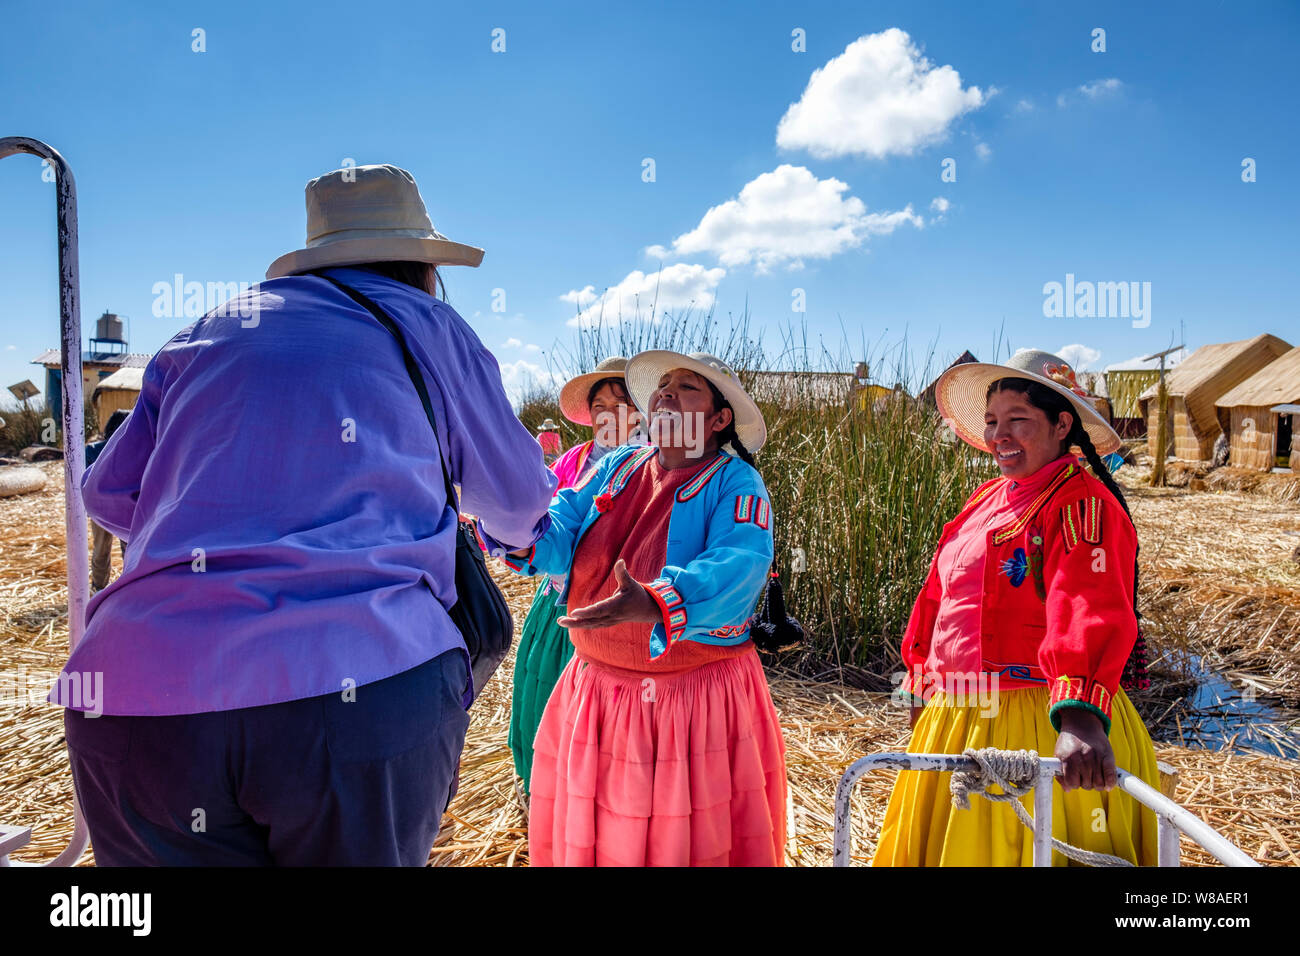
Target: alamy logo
(192, 300)
(1098, 300)
(75, 908)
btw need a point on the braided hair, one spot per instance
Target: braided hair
(728, 434)
(1052, 403)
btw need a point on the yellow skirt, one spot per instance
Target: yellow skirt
(922, 828)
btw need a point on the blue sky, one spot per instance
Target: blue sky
(1115, 166)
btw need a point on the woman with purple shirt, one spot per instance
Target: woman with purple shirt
(278, 680)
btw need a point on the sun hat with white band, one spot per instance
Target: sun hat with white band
(573, 396)
(362, 214)
(960, 394)
(645, 369)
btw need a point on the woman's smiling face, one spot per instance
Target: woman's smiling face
(1022, 438)
(613, 416)
(681, 412)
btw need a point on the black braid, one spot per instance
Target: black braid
(1052, 404)
(1079, 436)
(728, 434)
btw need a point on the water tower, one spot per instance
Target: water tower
(109, 338)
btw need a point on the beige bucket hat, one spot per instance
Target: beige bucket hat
(573, 396)
(645, 369)
(362, 214)
(960, 394)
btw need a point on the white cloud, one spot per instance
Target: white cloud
(1096, 90)
(673, 287)
(983, 151)
(520, 378)
(940, 205)
(879, 97)
(511, 343)
(1078, 356)
(1024, 106)
(782, 218)
(530, 347)
(10, 348)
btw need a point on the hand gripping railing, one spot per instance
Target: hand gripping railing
(74, 452)
(1172, 818)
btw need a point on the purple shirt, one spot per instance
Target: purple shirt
(279, 489)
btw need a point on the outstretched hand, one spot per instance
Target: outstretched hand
(631, 602)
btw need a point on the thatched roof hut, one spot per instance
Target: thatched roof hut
(1257, 420)
(1196, 384)
(802, 389)
(1124, 381)
(119, 390)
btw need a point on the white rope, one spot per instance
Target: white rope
(1015, 772)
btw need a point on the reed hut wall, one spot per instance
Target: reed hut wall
(107, 402)
(1247, 417)
(1197, 383)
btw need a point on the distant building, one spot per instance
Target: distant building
(1259, 416)
(927, 396)
(1194, 387)
(119, 390)
(106, 355)
(803, 389)
(1123, 382)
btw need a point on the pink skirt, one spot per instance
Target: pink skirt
(677, 769)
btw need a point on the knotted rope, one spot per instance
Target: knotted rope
(1015, 772)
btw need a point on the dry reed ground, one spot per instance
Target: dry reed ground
(1254, 799)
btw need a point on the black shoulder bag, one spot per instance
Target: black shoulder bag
(480, 612)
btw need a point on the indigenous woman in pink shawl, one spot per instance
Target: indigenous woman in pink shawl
(598, 399)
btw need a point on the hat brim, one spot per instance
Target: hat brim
(645, 369)
(353, 252)
(573, 396)
(960, 394)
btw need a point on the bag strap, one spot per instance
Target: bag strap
(412, 370)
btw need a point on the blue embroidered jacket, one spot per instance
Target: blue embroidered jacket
(719, 545)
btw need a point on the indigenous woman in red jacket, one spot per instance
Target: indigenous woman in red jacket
(1020, 636)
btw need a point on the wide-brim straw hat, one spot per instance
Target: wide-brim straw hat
(573, 396)
(960, 394)
(548, 425)
(645, 369)
(362, 214)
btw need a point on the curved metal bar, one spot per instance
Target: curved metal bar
(1218, 846)
(1170, 814)
(74, 452)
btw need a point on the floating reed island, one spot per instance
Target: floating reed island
(1251, 797)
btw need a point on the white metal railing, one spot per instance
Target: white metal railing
(74, 451)
(1173, 819)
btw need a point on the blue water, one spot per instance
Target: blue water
(1221, 715)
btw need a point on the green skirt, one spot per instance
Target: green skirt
(544, 651)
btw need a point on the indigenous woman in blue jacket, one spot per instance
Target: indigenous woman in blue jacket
(660, 745)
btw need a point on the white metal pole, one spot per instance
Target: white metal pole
(1043, 814)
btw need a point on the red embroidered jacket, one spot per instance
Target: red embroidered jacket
(1058, 596)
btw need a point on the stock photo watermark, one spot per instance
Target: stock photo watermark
(79, 690)
(1098, 300)
(968, 688)
(180, 299)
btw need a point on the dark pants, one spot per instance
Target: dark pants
(313, 782)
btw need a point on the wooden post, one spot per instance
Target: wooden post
(1162, 430)
(1162, 421)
